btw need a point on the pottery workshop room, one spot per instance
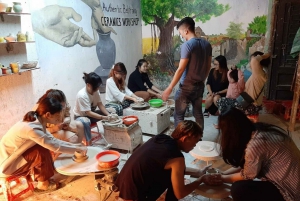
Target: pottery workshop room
(150, 100)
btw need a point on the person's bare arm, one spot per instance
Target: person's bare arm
(182, 65)
(95, 115)
(195, 172)
(177, 165)
(150, 91)
(102, 108)
(232, 170)
(231, 178)
(156, 89)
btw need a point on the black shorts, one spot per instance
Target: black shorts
(213, 109)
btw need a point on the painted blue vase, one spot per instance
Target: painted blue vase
(106, 52)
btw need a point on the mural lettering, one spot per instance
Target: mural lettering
(116, 21)
(120, 9)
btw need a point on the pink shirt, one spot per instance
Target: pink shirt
(235, 88)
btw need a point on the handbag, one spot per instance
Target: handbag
(244, 99)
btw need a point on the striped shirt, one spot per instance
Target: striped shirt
(271, 158)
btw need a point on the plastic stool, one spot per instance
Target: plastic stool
(99, 135)
(6, 186)
(287, 109)
(253, 118)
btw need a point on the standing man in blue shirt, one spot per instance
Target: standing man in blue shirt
(194, 66)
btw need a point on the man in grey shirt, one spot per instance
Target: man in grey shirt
(193, 69)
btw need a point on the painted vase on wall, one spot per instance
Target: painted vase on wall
(106, 52)
(17, 7)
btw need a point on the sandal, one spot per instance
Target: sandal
(205, 114)
(51, 187)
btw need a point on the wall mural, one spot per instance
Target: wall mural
(234, 30)
(53, 23)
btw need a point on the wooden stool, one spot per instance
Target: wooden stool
(6, 186)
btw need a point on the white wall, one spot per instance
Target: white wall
(62, 67)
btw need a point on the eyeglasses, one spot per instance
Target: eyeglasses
(216, 64)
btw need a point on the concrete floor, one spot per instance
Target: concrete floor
(83, 187)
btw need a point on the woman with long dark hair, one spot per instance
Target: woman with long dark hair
(217, 84)
(25, 148)
(258, 150)
(118, 96)
(139, 78)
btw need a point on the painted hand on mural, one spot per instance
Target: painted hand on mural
(97, 16)
(53, 22)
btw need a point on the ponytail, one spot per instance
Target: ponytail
(93, 79)
(50, 105)
(30, 116)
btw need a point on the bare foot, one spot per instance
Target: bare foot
(43, 185)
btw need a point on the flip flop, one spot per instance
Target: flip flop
(51, 187)
(206, 115)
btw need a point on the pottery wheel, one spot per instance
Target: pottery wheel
(103, 169)
(65, 165)
(206, 148)
(81, 159)
(138, 106)
(114, 123)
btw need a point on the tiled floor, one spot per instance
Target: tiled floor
(82, 188)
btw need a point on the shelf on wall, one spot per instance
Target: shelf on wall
(11, 14)
(21, 71)
(18, 42)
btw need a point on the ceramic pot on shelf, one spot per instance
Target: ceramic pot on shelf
(21, 37)
(17, 7)
(29, 36)
(14, 67)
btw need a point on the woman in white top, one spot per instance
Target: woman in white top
(117, 94)
(25, 148)
(86, 104)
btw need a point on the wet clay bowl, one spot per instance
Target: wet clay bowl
(155, 102)
(79, 157)
(212, 171)
(108, 158)
(128, 120)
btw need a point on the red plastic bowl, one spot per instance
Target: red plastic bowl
(128, 120)
(108, 158)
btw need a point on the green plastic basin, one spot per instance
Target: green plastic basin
(155, 102)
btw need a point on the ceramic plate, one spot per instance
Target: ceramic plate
(135, 106)
(206, 148)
